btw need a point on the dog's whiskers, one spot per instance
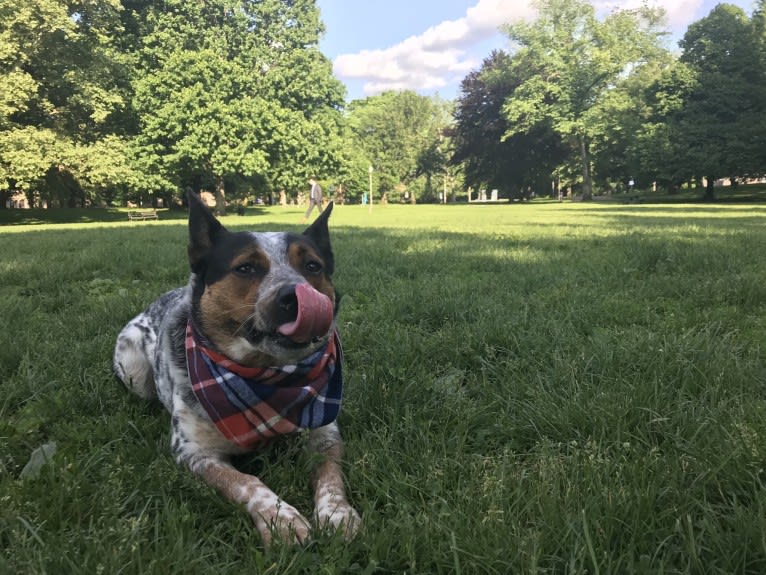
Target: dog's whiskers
(243, 325)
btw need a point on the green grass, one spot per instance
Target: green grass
(743, 193)
(542, 388)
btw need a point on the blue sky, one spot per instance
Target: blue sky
(430, 45)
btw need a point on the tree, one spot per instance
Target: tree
(68, 95)
(234, 88)
(488, 159)
(722, 120)
(659, 149)
(396, 131)
(577, 60)
(759, 29)
(624, 135)
(353, 172)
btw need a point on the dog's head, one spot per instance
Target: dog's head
(261, 299)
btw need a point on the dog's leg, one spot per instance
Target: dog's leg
(330, 503)
(270, 514)
(135, 345)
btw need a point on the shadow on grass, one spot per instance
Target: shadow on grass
(646, 218)
(15, 217)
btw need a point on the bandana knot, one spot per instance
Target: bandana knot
(250, 405)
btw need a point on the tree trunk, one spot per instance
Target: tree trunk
(587, 183)
(709, 189)
(220, 197)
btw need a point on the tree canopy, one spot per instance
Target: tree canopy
(402, 135)
(236, 90)
(66, 93)
(490, 158)
(111, 101)
(159, 95)
(722, 122)
(573, 62)
(622, 107)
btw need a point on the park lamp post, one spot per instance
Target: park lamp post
(369, 171)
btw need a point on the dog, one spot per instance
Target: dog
(247, 352)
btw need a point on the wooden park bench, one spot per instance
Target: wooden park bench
(141, 215)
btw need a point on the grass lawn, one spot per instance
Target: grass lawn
(538, 388)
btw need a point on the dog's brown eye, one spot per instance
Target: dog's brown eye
(245, 270)
(313, 267)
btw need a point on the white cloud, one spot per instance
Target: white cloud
(678, 12)
(436, 57)
(441, 56)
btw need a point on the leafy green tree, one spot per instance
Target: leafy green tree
(490, 160)
(758, 21)
(576, 60)
(352, 174)
(396, 130)
(659, 146)
(67, 93)
(234, 88)
(721, 124)
(624, 145)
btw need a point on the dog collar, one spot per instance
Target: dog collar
(252, 405)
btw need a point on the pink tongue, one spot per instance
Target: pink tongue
(314, 315)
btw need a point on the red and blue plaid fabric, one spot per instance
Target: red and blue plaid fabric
(252, 405)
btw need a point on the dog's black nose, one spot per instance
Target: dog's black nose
(287, 304)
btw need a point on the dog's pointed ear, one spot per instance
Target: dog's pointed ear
(204, 230)
(319, 232)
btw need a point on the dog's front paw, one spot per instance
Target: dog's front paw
(341, 516)
(282, 521)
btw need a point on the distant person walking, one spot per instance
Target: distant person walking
(315, 198)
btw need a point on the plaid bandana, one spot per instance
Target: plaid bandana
(251, 405)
